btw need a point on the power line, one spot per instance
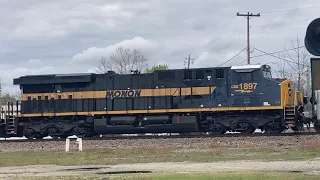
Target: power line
(242, 61)
(285, 10)
(232, 57)
(276, 52)
(281, 58)
(248, 16)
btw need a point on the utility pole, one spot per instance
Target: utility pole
(248, 16)
(189, 61)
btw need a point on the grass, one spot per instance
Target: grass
(191, 176)
(123, 156)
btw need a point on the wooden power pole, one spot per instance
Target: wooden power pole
(248, 16)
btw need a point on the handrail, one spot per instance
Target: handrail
(285, 99)
(285, 104)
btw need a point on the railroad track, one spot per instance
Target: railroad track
(119, 137)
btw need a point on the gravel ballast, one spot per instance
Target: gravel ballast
(181, 143)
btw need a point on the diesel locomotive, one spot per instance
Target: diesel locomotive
(209, 100)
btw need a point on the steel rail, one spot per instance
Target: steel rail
(120, 137)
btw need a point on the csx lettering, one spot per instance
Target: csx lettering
(123, 93)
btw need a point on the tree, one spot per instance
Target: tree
(123, 61)
(283, 70)
(9, 97)
(295, 65)
(157, 67)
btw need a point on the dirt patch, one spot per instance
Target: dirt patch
(305, 167)
(126, 172)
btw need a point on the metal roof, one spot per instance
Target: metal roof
(248, 66)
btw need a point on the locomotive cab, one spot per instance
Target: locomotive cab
(256, 86)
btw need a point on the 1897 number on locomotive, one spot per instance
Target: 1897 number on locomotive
(244, 87)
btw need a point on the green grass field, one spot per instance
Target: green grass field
(110, 157)
(193, 176)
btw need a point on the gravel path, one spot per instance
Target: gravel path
(311, 166)
(306, 167)
(184, 143)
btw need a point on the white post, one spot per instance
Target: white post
(67, 145)
(317, 98)
(78, 141)
(80, 144)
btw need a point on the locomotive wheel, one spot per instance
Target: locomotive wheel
(29, 133)
(245, 127)
(272, 127)
(217, 129)
(81, 132)
(54, 132)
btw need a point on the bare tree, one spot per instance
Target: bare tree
(123, 61)
(104, 66)
(9, 97)
(6, 96)
(283, 70)
(295, 65)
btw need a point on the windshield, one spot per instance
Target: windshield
(266, 70)
(267, 74)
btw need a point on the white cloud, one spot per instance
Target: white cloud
(64, 36)
(34, 62)
(7, 75)
(94, 54)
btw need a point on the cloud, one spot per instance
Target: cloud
(7, 75)
(66, 36)
(94, 54)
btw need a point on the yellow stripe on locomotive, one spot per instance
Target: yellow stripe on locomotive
(134, 93)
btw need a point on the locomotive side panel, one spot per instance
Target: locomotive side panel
(210, 92)
(250, 88)
(158, 98)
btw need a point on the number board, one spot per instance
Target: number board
(245, 87)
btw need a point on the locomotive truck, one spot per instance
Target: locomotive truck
(211, 100)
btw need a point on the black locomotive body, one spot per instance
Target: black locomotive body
(216, 100)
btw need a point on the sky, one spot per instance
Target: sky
(71, 36)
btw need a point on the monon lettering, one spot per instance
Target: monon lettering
(123, 93)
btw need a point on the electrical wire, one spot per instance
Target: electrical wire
(286, 10)
(276, 52)
(281, 58)
(242, 61)
(232, 57)
(271, 54)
